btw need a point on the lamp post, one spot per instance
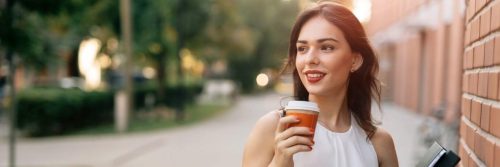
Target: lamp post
(124, 97)
(10, 81)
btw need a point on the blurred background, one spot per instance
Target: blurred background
(182, 82)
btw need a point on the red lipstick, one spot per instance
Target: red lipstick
(314, 76)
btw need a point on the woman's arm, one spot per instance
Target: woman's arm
(384, 146)
(271, 144)
(259, 149)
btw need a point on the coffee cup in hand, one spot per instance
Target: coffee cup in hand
(306, 112)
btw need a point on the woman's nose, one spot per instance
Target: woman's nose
(312, 57)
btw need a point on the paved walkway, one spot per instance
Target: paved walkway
(217, 142)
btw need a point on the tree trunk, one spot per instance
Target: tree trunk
(160, 68)
(179, 115)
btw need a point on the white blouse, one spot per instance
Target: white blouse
(332, 149)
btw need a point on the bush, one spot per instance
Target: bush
(52, 111)
(174, 94)
(48, 111)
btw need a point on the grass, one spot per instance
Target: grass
(159, 119)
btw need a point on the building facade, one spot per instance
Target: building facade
(441, 59)
(479, 127)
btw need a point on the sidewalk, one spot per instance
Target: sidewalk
(403, 126)
(217, 142)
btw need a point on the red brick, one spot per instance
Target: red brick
(495, 14)
(479, 56)
(488, 154)
(472, 163)
(466, 107)
(460, 153)
(463, 154)
(471, 9)
(475, 113)
(488, 53)
(465, 83)
(463, 129)
(473, 83)
(474, 30)
(483, 84)
(498, 94)
(470, 138)
(467, 35)
(464, 62)
(469, 59)
(496, 50)
(465, 159)
(494, 121)
(479, 5)
(479, 146)
(497, 154)
(485, 24)
(493, 85)
(485, 117)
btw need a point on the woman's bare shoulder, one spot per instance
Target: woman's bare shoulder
(259, 148)
(268, 120)
(266, 126)
(384, 146)
(381, 136)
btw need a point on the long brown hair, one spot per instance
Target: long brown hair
(363, 84)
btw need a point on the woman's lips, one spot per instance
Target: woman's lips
(314, 76)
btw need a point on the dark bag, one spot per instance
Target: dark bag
(438, 156)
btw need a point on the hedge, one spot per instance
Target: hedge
(54, 111)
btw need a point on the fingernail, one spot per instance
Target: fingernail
(310, 148)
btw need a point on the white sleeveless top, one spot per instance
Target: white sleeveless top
(332, 149)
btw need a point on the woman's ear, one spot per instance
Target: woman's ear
(357, 61)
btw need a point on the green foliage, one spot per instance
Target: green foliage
(175, 94)
(53, 111)
(49, 111)
(40, 30)
(256, 37)
(244, 73)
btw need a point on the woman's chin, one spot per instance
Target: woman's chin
(316, 91)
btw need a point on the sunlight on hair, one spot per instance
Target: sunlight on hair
(362, 10)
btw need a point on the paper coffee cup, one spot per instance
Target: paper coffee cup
(307, 112)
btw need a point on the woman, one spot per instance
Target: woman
(334, 66)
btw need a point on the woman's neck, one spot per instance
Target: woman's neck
(334, 113)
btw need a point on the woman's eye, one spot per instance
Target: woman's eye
(301, 49)
(327, 48)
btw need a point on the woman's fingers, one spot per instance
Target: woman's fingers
(293, 131)
(289, 141)
(284, 121)
(295, 140)
(289, 151)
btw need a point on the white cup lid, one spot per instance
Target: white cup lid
(302, 105)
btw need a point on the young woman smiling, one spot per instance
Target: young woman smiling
(334, 66)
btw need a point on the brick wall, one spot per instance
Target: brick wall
(423, 41)
(480, 121)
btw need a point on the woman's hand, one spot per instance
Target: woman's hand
(290, 141)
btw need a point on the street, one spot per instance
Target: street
(217, 142)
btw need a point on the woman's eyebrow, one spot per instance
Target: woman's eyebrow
(327, 39)
(302, 41)
(319, 40)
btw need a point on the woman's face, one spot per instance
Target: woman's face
(324, 58)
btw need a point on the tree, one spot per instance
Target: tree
(270, 22)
